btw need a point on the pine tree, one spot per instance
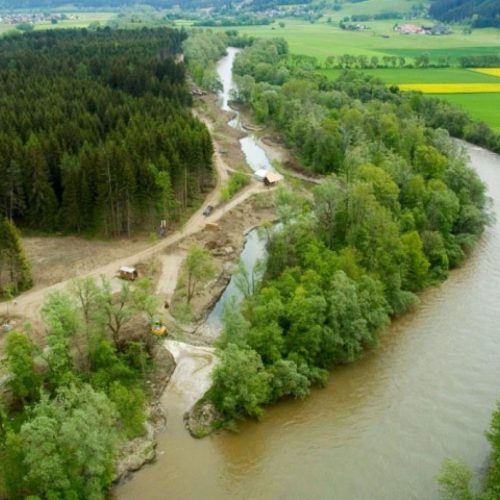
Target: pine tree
(15, 269)
(42, 203)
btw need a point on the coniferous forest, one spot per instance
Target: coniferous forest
(95, 132)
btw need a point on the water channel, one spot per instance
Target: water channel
(383, 425)
(254, 250)
(255, 156)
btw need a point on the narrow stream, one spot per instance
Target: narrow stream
(254, 250)
(383, 425)
(255, 156)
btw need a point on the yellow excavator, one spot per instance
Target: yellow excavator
(158, 328)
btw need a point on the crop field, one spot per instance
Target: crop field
(371, 7)
(477, 91)
(488, 71)
(452, 88)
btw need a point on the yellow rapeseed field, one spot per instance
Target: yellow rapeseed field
(488, 71)
(452, 88)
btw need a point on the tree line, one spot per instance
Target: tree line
(307, 106)
(480, 13)
(96, 134)
(480, 61)
(399, 208)
(67, 406)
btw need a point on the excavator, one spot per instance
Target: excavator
(158, 328)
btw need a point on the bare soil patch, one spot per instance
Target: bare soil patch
(55, 259)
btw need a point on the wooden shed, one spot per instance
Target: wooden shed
(272, 178)
(128, 273)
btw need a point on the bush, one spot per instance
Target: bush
(236, 183)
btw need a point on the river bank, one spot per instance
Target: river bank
(224, 244)
(192, 357)
(383, 424)
(427, 393)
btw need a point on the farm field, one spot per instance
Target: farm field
(322, 39)
(482, 107)
(371, 7)
(83, 21)
(424, 75)
(452, 88)
(488, 71)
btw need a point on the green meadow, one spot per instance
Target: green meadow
(322, 39)
(484, 107)
(371, 7)
(82, 20)
(417, 75)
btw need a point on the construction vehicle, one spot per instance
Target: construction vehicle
(158, 328)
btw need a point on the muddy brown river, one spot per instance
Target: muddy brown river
(383, 425)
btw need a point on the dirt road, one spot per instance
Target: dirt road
(28, 304)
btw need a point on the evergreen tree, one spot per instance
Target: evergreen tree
(15, 269)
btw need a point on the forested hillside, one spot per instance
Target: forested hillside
(95, 131)
(482, 13)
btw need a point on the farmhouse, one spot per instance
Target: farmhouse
(409, 29)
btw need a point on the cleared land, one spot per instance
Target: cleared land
(371, 7)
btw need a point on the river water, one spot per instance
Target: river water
(253, 251)
(383, 425)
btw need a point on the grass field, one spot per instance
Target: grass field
(480, 106)
(371, 7)
(429, 75)
(322, 39)
(82, 20)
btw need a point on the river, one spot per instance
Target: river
(253, 251)
(383, 425)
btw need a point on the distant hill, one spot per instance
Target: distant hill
(481, 13)
(92, 4)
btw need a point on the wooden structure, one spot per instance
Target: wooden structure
(272, 178)
(128, 273)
